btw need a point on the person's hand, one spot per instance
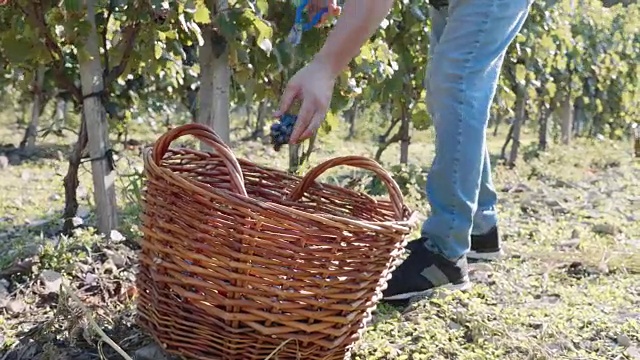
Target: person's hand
(314, 6)
(313, 85)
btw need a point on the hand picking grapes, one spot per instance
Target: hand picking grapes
(285, 131)
(468, 43)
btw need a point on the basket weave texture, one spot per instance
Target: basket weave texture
(239, 261)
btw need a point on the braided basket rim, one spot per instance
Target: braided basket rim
(409, 220)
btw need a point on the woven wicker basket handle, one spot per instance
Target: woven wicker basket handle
(206, 135)
(360, 162)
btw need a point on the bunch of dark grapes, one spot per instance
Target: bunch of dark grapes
(281, 130)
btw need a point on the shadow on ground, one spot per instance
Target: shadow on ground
(44, 151)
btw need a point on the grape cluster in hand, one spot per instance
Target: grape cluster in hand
(281, 130)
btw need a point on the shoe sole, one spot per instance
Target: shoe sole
(485, 255)
(427, 293)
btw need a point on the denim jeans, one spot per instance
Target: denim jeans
(468, 43)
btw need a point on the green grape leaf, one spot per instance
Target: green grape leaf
(263, 6)
(157, 50)
(17, 49)
(420, 116)
(73, 5)
(521, 74)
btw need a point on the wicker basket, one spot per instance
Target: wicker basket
(241, 261)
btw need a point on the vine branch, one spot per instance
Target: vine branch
(35, 15)
(129, 36)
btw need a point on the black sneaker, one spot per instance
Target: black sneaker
(486, 246)
(483, 247)
(423, 272)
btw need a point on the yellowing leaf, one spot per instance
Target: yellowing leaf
(263, 6)
(521, 74)
(262, 30)
(202, 14)
(551, 89)
(157, 50)
(330, 121)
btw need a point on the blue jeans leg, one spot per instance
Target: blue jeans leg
(486, 216)
(461, 82)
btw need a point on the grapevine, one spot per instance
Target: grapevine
(582, 61)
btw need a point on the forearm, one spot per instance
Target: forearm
(358, 21)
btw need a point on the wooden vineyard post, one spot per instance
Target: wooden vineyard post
(215, 76)
(221, 80)
(97, 128)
